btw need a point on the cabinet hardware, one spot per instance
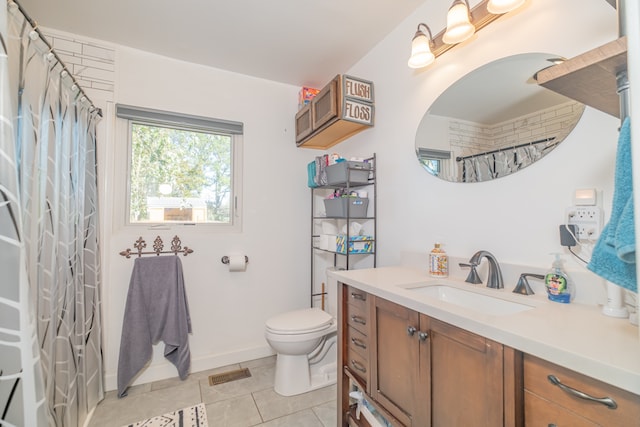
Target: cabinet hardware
(357, 365)
(423, 335)
(360, 297)
(358, 319)
(411, 330)
(606, 401)
(358, 343)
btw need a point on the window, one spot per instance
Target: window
(182, 169)
(432, 159)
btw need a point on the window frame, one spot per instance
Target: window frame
(127, 116)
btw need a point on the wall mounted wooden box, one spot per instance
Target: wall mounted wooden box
(341, 109)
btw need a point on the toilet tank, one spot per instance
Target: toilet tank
(331, 304)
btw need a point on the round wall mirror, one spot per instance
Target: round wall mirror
(495, 121)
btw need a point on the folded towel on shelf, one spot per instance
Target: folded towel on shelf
(613, 256)
(156, 310)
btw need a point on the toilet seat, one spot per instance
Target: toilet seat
(298, 322)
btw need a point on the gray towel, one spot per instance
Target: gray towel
(156, 310)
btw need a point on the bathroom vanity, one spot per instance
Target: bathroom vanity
(442, 352)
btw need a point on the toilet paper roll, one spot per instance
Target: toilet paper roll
(323, 242)
(237, 263)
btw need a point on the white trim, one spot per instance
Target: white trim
(165, 370)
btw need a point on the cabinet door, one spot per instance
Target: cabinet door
(303, 123)
(395, 363)
(466, 378)
(324, 106)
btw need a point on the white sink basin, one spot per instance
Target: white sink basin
(476, 301)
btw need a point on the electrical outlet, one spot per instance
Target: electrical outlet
(587, 219)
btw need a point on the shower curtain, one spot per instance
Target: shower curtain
(50, 321)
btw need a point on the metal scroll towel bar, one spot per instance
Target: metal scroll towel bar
(158, 245)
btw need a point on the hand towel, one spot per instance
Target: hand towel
(156, 310)
(614, 253)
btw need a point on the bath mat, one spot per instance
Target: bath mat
(228, 376)
(193, 416)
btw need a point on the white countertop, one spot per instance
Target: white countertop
(576, 336)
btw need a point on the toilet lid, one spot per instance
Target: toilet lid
(305, 320)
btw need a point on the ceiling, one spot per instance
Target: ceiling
(298, 42)
(499, 91)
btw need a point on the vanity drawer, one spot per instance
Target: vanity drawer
(358, 318)
(537, 382)
(539, 412)
(358, 342)
(358, 365)
(356, 297)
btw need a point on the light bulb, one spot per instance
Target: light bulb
(498, 7)
(459, 27)
(421, 54)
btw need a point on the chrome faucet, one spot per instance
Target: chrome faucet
(494, 279)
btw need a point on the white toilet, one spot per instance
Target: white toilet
(305, 342)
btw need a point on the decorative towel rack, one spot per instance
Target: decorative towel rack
(158, 245)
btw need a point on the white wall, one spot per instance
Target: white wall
(516, 217)
(228, 309)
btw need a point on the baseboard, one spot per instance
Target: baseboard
(163, 370)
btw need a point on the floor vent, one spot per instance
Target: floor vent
(229, 376)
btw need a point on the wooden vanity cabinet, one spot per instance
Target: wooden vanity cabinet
(549, 404)
(424, 372)
(428, 372)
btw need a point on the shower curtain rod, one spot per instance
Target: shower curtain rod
(513, 147)
(34, 26)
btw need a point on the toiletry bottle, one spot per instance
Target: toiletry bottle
(438, 262)
(559, 287)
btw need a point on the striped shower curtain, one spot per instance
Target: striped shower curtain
(50, 321)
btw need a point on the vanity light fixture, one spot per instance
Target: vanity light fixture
(462, 23)
(459, 26)
(421, 54)
(503, 6)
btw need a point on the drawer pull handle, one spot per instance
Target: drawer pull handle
(423, 336)
(606, 401)
(411, 330)
(358, 319)
(358, 343)
(360, 297)
(357, 365)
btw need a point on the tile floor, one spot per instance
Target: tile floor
(240, 403)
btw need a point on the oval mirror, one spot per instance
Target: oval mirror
(494, 121)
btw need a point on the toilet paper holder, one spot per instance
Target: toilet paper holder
(225, 259)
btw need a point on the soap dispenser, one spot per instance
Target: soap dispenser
(559, 287)
(438, 262)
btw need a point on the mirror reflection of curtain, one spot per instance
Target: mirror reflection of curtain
(503, 163)
(495, 164)
(528, 154)
(48, 240)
